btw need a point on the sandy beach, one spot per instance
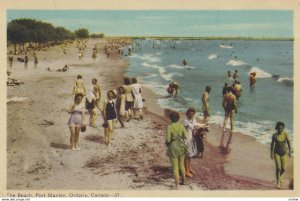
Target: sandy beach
(39, 155)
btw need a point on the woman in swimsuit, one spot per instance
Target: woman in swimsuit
(76, 120)
(280, 148)
(109, 115)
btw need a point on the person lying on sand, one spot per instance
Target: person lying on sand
(12, 81)
(64, 69)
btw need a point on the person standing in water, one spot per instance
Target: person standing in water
(252, 79)
(228, 74)
(237, 89)
(235, 75)
(205, 104)
(229, 105)
(280, 150)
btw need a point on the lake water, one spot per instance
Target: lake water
(156, 63)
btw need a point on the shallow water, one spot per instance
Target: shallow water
(156, 63)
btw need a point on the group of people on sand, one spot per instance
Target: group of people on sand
(116, 45)
(184, 142)
(120, 105)
(25, 59)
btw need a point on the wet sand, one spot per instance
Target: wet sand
(39, 155)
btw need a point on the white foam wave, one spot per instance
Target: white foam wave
(178, 42)
(226, 46)
(176, 66)
(162, 71)
(260, 73)
(156, 87)
(212, 56)
(147, 57)
(283, 79)
(236, 63)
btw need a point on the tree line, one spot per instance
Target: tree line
(22, 31)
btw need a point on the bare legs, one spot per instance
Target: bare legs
(109, 131)
(188, 167)
(74, 137)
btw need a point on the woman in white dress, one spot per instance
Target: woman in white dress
(138, 100)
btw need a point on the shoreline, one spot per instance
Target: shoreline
(242, 144)
(242, 38)
(39, 156)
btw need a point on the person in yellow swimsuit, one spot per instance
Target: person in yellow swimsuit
(280, 149)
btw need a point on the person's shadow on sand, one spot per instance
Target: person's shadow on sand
(95, 138)
(60, 146)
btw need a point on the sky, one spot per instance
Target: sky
(190, 23)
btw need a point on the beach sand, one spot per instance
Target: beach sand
(39, 155)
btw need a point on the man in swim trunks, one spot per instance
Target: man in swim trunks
(205, 104)
(229, 105)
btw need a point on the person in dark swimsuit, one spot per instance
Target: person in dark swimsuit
(110, 115)
(229, 105)
(280, 148)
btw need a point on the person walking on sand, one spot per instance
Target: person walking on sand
(120, 106)
(79, 87)
(35, 60)
(280, 149)
(189, 124)
(90, 106)
(205, 104)
(94, 56)
(129, 98)
(26, 61)
(97, 93)
(76, 120)
(138, 100)
(176, 148)
(109, 115)
(10, 59)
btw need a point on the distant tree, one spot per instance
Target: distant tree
(100, 35)
(21, 31)
(82, 33)
(17, 33)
